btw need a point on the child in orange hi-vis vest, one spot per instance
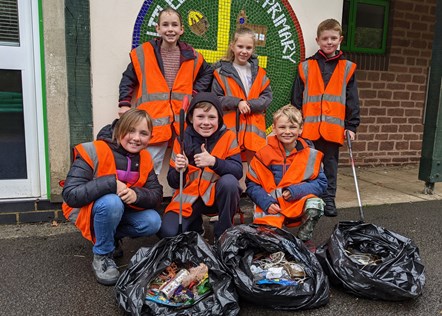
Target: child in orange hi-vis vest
(212, 168)
(244, 90)
(161, 72)
(112, 191)
(285, 178)
(326, 92)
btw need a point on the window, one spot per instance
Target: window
(9, 32)
(365, 25)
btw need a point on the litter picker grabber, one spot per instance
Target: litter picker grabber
(181, 140)
(350, 151)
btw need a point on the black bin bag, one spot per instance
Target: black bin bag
(187, 248)
(237, 248)
(372, 262)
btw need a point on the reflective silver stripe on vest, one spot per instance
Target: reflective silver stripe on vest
(310, 168)
(209, 176)
(324, 118)
(74, 215)
(347, 70)
(91, 151)
(262, 214)
(305, 96)
(140, 56)
(224, 80)
(233, 144)
(206, 195)
(161, 121)
(332, 120)
(252, 172)
(193, 176)
(186, 198)
(253, 129)
(264, 80)
(150, 97)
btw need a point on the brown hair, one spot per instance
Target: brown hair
(242, 31)
(128, 120)
(291, 112)
(329, 24)
(171, 11)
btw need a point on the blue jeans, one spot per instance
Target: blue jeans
(112, 221)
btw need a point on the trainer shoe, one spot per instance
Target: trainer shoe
(105, 269)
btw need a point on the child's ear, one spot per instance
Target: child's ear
(341, 39)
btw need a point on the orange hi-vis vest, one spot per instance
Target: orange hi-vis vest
(252, 127)
(154, 95)
(304, 165)
(323, 108)
(201, 183)
(100, 158)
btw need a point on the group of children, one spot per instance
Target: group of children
(112, 189)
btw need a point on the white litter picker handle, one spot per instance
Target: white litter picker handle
(361, 212)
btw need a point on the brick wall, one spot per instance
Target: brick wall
(392, 101)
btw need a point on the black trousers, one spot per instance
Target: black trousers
(226, 203)
(330, 161)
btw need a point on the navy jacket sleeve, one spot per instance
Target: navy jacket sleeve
(352, 117)
(203, 81)
(80, 187)
(258, 195)
(316, 186)
(297, 92)
(127, 87)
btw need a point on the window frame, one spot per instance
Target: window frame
(349, 46)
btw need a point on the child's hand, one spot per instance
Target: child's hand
(128, 196)
(352, 134)
(274, 209)
(120, 186)
(244, 107)
(122, 110)
(286, 195)
(204, 159)
(181, 162)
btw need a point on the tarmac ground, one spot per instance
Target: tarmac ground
(45, 269)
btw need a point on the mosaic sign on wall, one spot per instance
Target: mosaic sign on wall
(209, 27)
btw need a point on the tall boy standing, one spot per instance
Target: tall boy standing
(326, 92)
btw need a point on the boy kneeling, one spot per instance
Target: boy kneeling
(285, 178)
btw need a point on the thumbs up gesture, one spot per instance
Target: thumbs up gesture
(204, 159)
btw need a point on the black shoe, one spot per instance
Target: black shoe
(118, 251)
(105, 269)
(330, 208)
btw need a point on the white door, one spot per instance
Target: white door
(21, 149)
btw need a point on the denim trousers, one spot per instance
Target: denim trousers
(157, 152)
(111, 221)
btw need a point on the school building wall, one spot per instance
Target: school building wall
(392, 88)
(393, 99)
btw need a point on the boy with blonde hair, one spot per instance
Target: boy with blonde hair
(285, 178)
